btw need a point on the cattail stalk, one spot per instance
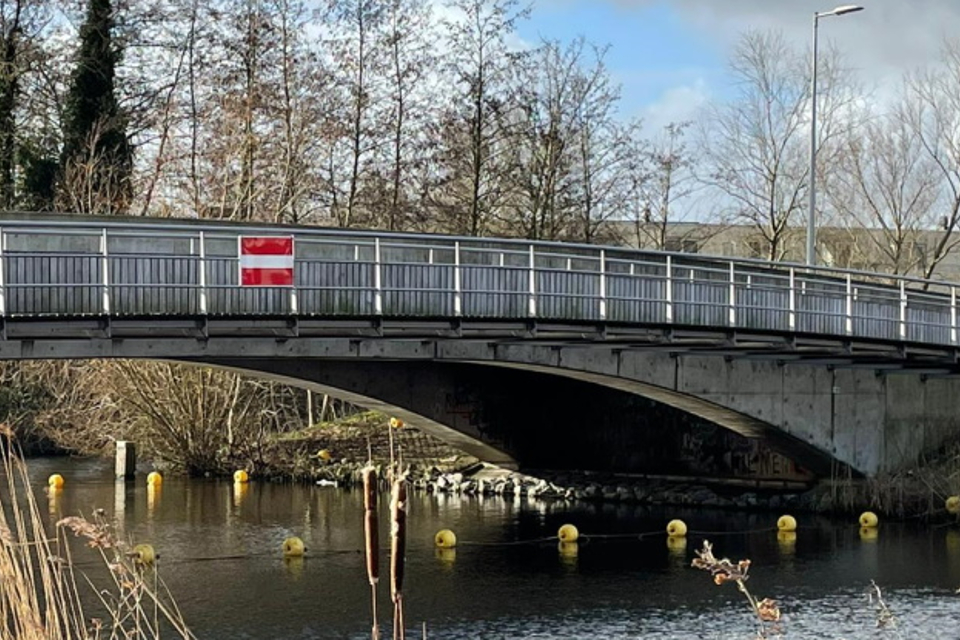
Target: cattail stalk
(398, 547)
(371, 534)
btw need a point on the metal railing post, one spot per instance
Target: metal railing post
(903, 310)
(732, 316)
(848, 316)
(792, 314)
(105, 267)
(603, 284)
(953, 312)
(377, 282)
(669, 288)
(294, 294)
(532, 281)
(202, 276)
(457, 284)
(3, 273)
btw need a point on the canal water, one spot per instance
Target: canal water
(220, 556)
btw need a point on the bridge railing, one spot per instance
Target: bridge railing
(67, 267)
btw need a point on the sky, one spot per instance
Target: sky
(670, 56)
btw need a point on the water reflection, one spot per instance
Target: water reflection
(154, 492)
(569, 551)
(294, 567)
(220, 545)
(240, 491)
(53, 502)
(446, 557)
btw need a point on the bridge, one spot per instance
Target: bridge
(522, 353)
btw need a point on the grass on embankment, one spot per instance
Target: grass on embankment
(335, 448)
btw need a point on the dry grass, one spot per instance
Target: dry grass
(40, 588)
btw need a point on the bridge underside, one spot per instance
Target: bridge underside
(542, 396)
(527, 416)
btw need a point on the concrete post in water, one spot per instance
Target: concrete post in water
(126, 459)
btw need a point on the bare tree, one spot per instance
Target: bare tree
(933, 112)
(604, 152)
(300, 116)
(474, 131)
(358, 48)
(666, 194)
(411, 63)
(545, 138)
(885, 182)
(755, 146)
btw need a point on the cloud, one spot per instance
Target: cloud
(887, 39)
(675, 104)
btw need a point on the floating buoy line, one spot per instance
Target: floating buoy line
(568, 536)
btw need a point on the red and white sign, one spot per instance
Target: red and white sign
(266, 261)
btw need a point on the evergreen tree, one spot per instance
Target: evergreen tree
(9, 35)
(97, 157)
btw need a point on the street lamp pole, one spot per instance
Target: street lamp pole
(811, 213)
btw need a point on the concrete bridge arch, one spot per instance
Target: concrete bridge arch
(813, 415)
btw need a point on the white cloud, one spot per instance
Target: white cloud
(882, 42)
(676, 104)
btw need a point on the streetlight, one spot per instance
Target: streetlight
(811, 214)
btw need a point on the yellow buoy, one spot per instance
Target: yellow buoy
(953, 505)
(154, 479)
(55, 481)
(869, 534)
(240, 476)
(144, 555)
(445, 539)
(786, 538)
(568, 533)
(676, 528)
(324, 455)
(677, 544)
(396, 423)
(787, 523)
(869, 519)
(293, 547)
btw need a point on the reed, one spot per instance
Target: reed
(41, 589)
(398, 546)
(371, 535)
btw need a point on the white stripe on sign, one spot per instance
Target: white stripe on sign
(253, 261)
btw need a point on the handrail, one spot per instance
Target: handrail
(136, 266)
(184, 227)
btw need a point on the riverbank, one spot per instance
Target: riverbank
(895, 498)
(918, 493)
(335, 452)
